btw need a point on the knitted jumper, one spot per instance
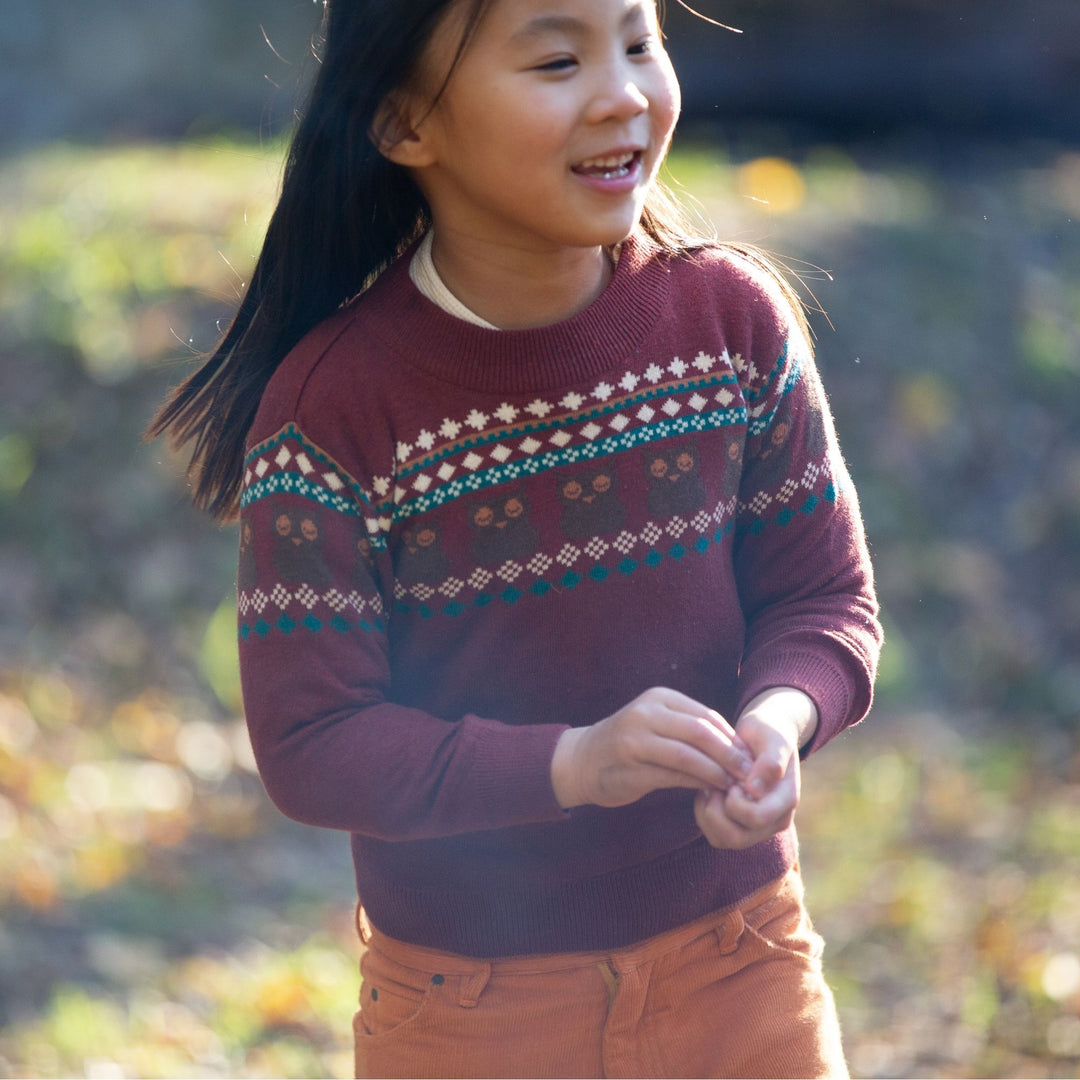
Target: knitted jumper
(456, 541)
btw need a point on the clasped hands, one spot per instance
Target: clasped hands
(746, 776)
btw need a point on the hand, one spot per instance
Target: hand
(774, 725)
(662, 739)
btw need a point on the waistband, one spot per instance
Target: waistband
(727, 923)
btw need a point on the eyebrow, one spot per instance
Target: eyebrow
(544, 25)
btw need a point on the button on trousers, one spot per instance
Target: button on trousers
(738, 993)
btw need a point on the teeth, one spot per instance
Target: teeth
(618, 161)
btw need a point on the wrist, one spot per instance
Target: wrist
(786, 708)
(565, 781)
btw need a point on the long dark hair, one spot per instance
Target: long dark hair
(344, 214)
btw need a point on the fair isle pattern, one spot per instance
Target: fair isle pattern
(341, 611)
(760, 419)
(597, 559)
(316, 469)
(571, 407)
(287, 464)
(532, 466)
(510, 443)
(507, 451)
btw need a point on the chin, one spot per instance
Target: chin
(615, 232)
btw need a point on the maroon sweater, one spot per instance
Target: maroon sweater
(457, 541)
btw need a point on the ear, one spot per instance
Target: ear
(398, 131)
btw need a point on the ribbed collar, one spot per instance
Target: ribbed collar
(521, 361)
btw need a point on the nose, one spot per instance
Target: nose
(619, 95)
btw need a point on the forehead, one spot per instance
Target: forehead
(518, 21)
(540, 16)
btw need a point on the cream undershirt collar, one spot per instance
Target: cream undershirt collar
(426, 278)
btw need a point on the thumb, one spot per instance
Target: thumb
(769, 768)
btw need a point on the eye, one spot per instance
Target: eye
(558, 66)
(514, 508)
(641, 48)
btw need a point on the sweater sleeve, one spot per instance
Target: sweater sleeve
(802, 563)
(315, 588)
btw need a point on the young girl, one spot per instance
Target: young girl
(551, 571)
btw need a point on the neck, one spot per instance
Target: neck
(515, 289)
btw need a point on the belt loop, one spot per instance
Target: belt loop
(729, 932)
(610, 976)
(472, 986)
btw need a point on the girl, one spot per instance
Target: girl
(552, 571)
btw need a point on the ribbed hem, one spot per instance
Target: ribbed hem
(510, 913)
(521, 361)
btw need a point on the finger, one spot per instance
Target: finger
(770, 814)
(678, 702)
(769, 768)
(706, 738)
(676, 756)
(657, 778)
(717, 827)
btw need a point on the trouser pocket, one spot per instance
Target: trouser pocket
(394, 1000)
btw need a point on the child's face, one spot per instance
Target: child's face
(552, 126)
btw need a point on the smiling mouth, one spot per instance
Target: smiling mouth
(612, 167)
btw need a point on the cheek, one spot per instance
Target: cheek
(666, 98)
(530, 134)
(507, 119)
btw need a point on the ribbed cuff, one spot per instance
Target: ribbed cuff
(511, 769)
(831, 687)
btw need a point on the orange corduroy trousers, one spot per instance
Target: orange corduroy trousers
(738, 993)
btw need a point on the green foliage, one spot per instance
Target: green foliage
(219, 658)
(942, 868)
(257, 1013)
(16, 464)
(102, 245)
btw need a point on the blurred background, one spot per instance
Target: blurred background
(915, 162)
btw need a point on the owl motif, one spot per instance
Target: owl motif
(298, 553)
(733, 466)
(420, 558)
(247, 574)
(778, 436)
(590, 506)
(675, 486)
(770, 459)
(501, 529)
(363, 569)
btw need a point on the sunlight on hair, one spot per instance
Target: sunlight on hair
(774, 183)
(706, 18)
